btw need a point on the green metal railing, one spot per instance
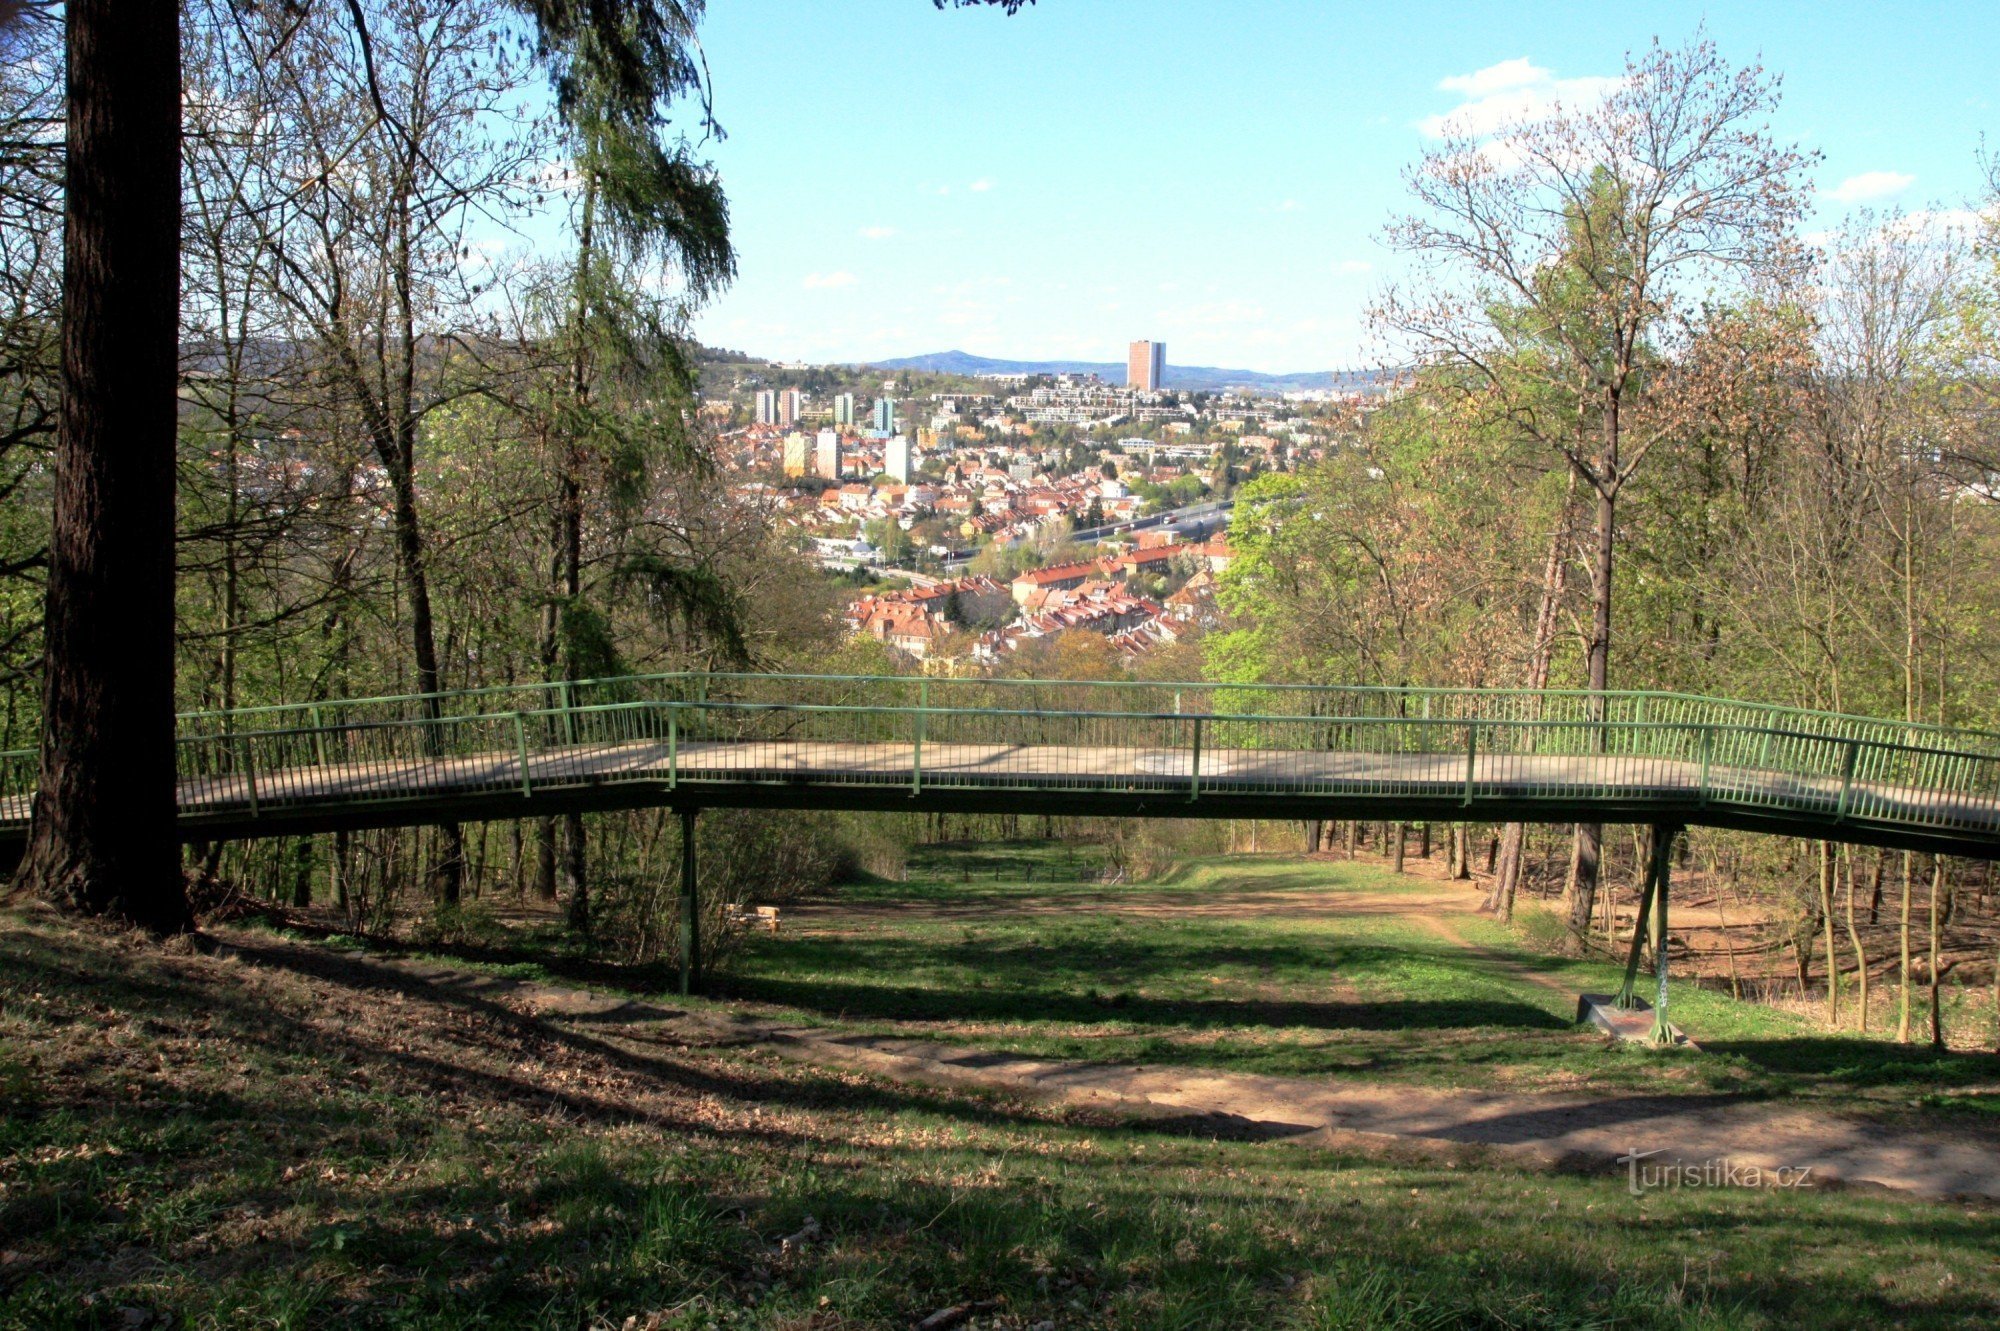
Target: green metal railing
(697, 734)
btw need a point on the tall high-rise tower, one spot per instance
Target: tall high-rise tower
(1146, 366)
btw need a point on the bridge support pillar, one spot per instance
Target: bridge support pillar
(1663, 850)
(1651, 916)
(690, 909)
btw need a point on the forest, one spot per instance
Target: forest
(439, 427)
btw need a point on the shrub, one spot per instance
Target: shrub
(1543, 929)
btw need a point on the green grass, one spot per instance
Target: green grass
(296, 1139)
(973, 954)
(292, 1141)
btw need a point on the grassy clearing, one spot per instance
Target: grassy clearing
(1281, 965)
(290, 1140)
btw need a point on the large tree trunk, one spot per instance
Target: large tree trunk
(302, 867)
(545, 859)
(1507, 877)
(103, 839)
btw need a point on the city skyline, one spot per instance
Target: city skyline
(1243, 242)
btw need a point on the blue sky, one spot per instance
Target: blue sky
(1214, 174)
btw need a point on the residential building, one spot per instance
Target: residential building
(767, 406)
(896, 458)
(791, 404)
(885, 415)
(843, 410)
(796, 463)
(826, 455)
(1057, 577)
(1146, 366)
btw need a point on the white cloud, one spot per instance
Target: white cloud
(1354, 266)
(1288, 206)
(877, 232)
(1871, 185)
(1507, 94)
(980, 186)
(1519, 72)
(823, 281)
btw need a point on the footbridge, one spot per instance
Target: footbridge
(696, 740)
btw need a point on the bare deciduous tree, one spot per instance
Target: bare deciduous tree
(1566, 259)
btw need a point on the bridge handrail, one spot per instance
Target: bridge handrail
(1713, 749)
(722, 704)
(1379, 690)
(707, 680)
(1416, 723)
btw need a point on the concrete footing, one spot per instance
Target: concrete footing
(1633, 1026)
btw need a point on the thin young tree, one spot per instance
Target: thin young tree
(647, 213)
(395, 124)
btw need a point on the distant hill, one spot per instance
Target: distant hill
(1192, 377)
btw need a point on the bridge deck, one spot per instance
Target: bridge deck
(1473, 756)
(1002, 777)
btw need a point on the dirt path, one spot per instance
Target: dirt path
(1596, 1133)
(1236, 904)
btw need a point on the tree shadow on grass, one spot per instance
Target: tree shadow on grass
(890, 1002)
(1863, 1064)
(1096, 978)
(599, 1226)
(1004, 861)
(473, 1050)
